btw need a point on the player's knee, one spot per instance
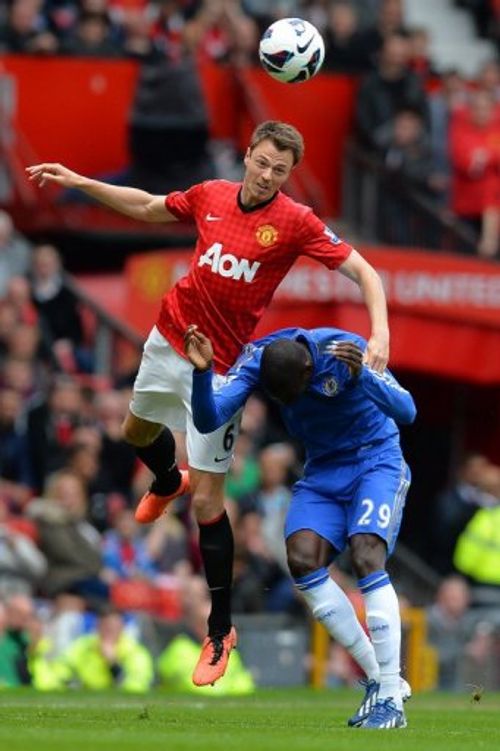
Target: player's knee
(139, 433)
(368, 554)
(206, 507)
(301, 561)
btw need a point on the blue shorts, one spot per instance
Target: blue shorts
(364, 497)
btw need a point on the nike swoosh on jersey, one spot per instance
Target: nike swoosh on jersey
(210, 218)
(224, 459)
(303, 48)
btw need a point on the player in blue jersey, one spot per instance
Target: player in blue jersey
(353, 489)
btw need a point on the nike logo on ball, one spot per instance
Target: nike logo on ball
(211, 218)
(224, 458)
(302, 48)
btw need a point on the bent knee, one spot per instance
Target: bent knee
(139, 432)
(301, 562)
(368, 554)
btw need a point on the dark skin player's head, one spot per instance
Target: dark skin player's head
(285, 370)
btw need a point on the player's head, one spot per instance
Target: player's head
(275, 148)
(282, 135)
(285, 370)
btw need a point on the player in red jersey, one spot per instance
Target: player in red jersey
(249, 235)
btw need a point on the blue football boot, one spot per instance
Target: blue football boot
(371, 692)
(385, 716)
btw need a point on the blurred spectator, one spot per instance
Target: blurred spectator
(59, 314)
(110, 658)
(70, 544)
(92, 37)
(419, 58)
(21, 563)
(456, 506)
(50, 427)
(168, 29)
(137, 42)
(386, 91)
(62, 16)
(452, 630)
(15, 617)
(14, 253)
(18, 295)
(489, 79)
(178, 659)
(477, 552)
(244, 473)
(117, 458)
(389, 22)
(221, 31)
(26, 29)
(8, 321)
(409, 165)
(169, 132)
(344, 45)
(16, 472)
(272, 498)
(475, 157)
(259, 582)
(451, 97)
(125, 551)
(168, 543)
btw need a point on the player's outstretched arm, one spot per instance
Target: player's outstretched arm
(132, 202)
(355, 267)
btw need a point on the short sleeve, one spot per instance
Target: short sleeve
(182, 203)
(318, 241)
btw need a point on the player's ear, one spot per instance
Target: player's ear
(247, 156)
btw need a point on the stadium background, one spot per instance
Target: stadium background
(63, 389)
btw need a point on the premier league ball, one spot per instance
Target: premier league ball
(291, 50)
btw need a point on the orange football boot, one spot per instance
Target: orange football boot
(214, 657)
(151, 506)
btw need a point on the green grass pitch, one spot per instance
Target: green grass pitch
(272, 720)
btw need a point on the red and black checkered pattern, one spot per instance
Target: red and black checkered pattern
(239, 260)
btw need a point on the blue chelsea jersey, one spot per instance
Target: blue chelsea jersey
(336, 417)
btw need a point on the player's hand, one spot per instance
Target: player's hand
(198, 348)
(54, 173)
(377, 352)
(350, 354)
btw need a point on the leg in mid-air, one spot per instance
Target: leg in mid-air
(155, 447)
(217, 552)
(308, 558)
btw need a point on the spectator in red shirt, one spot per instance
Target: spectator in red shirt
(475, 157)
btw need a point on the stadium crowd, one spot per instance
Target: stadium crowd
(80, 582)
(430, 130)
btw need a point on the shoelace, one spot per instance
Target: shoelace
(382, 707)
(218, 647)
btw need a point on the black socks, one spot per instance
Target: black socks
(217, 552)
(159, 457)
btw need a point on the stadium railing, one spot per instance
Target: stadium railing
(419, 659)
(105, 331)
(382, 207)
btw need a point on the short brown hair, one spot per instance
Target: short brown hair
(283, 136)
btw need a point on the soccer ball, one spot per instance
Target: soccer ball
(291, 50)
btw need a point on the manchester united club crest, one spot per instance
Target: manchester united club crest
(329, 386)
(266, 235)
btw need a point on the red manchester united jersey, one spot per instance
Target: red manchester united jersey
(240, 258)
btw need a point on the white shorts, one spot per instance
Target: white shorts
(162, 394)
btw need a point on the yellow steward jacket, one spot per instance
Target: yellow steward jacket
(477, 552)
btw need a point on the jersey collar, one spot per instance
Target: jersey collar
(249, 209)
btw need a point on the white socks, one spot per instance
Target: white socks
(331, 607)
(384, 624)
